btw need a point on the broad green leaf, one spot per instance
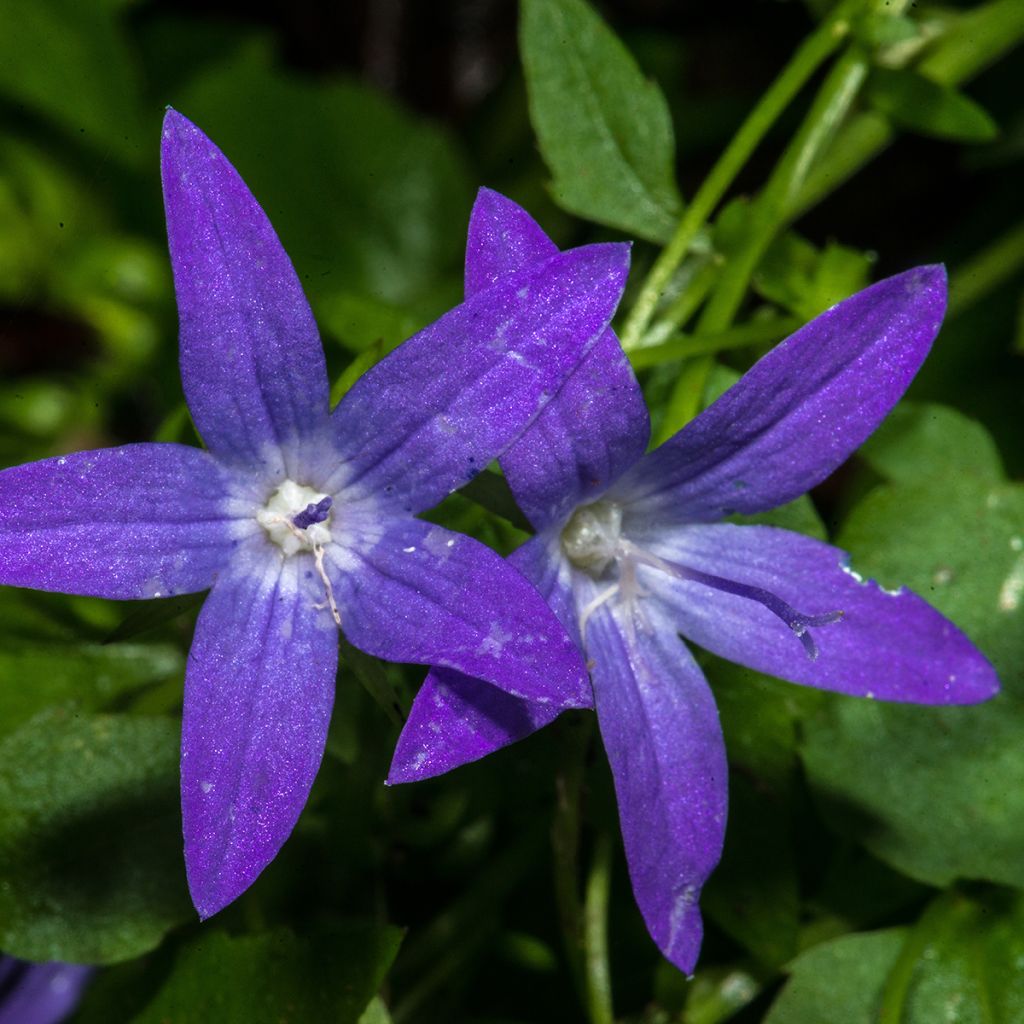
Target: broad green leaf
(936, 792)
(924, 106)
(603, 128)
(320, 975)
(840, 982)
(366, 198)
(80, 676)
(90, 837)
(919, 441)
(362, 323)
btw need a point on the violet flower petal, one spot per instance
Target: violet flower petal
(433, 413)
(597, 425)
(40, 993)
(799, 412)
(456, 719)
(258, 694)
(143, 520)
(252, 365)
(889, 645)
(661, 732)
(415, 592)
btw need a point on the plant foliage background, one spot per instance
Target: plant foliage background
(874, 862)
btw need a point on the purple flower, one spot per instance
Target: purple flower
(39, 993)
(631, 551)
(302, 519)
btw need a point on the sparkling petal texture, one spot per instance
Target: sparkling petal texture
(893, 646)
(456, 719)
(143, 520)
(258, 695)
(598, 426)
(661, 732)
(46, 993)
(433, 413)
(799, 412)
(418, 593)
(251, 361)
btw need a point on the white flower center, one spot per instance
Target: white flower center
(591, 538)
(297, 518)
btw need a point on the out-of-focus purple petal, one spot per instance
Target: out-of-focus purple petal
(252, 365)
(414, 592)
(432, 414)
(258, 695)
(799, 412)
(660, 729)
(456, 719)
(143, 520)
(889, 645)
(597, 425)
(44, 993)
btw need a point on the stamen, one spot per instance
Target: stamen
(314, 512)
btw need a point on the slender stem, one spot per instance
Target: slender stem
(807, 59)
(987, 270)
(595, 934)
(756, 332)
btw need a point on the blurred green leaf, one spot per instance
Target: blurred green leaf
(603, 128)
(82, 676)
(146, 615)
(919, 441)
(90, 837)
(924, 106)
(322, 975)
(361, 322)
(366, 198)
(839, 981)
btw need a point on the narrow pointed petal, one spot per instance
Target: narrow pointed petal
(661, 731)
(597, 425)
(456, 719)
(889, 645)
(802, 410)
(251, 362)
(143, 520)
(415, 592)
(258, 695)
(432, 414)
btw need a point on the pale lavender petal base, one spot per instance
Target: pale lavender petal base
(801, 411)
(431, 415)
(46, 993)
(258, 694)
(598, 425)
(252, 365)
(422, 594)
(143, 520)
(893, 646)
(661, 731)
(456, 719)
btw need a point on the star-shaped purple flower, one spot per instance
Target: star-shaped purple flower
(302, 520)
(631, 551)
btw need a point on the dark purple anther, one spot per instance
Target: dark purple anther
(313, 513)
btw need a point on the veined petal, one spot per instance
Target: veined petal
(252, 366)
(799, 412)
(258, 695)
(888, 644)
(143, 520)
(597, 424)
(661, 731)
(432, 414)
(415, 592)
(456, 719)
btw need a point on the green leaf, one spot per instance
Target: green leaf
(604, 129)
(919, 441)
(839, 981)
(924, 106)
(323, 975)
(936, 792)
(83, 676)
(90, 837)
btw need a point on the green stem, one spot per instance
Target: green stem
(595, 934)
(986, 270)
(757, 332)
(807, 59)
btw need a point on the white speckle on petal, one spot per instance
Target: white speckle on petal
(409, 550)
(494, 643)
(205, 786)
